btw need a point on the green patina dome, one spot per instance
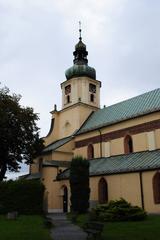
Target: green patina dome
(80, 71)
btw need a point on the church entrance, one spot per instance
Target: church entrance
(65, 199)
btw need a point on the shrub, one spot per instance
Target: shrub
(24, 196)
(79, 184)
(119, 210)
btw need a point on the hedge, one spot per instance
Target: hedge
(24, 196)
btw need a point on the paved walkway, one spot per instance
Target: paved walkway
(64, 230)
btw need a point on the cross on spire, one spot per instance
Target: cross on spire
(80, 30)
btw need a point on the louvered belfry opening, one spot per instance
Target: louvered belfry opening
(90, 151)
(103, 191)
(128, 144)
(156, 187)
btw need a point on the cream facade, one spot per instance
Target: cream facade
(121, 142)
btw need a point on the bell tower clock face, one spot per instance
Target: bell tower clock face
(92, 88)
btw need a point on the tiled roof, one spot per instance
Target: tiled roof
(53, 146)
(134, 162)
(143, 104)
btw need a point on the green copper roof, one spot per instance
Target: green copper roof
(80, 71)
(143, 104)
(134, 162)
(53, 146)
(80, 67)
(126, 163)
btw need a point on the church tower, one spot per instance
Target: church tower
(80, 96)
(81, 84)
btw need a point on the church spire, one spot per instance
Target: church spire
(80, 53)
(80, 66)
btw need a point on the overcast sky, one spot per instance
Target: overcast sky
(37, 38)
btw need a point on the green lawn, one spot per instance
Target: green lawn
(24, 228)
(142, 230)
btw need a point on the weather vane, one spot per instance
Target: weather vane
(80, 30)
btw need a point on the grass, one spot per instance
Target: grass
(24, 228)
(148, 229)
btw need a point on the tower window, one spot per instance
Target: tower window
(156, 187)
(90, 151)
(92, 88)
(68, 89)
(92, 97)
(128, 144)
(68, 99)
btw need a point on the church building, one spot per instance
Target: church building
(121, 142)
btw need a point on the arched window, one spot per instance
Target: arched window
(128, 144)
(156, 187)
(103, 191)
(90, 151)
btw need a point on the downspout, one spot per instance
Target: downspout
(100, 142)
(141, 188)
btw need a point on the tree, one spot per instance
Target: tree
(79, 184)
(19, 134)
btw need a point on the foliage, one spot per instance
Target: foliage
(23, 228)
(24, 196)
(119, 210)
(79, 184)
(19, 134)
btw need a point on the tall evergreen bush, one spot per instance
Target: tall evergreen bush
(79, 184)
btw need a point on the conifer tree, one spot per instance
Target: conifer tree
(79, 184)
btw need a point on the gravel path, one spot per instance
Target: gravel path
(64, 230)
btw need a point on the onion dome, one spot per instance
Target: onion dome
(80, 67)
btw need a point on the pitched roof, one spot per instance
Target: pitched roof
(137, 106)
(134, 162)
(56, 144)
